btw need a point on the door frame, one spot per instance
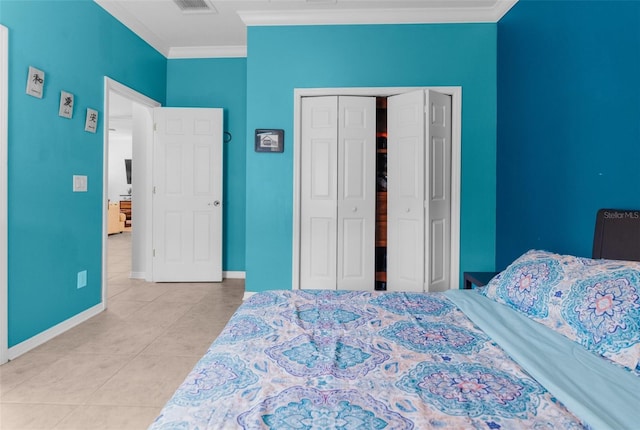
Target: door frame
(145, 193)
(4, 139)
(456, 156)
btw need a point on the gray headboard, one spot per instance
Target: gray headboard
(617, 235)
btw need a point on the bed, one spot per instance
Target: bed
(553, 341)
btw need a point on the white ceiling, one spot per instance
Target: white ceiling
(222, 33)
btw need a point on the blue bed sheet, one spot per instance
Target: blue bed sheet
(601, 393)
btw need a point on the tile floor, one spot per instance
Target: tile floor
(117, 370)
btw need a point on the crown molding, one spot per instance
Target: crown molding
(378, 16)
(133, 24)
(502, 7)
(488, 12)
(207, 52)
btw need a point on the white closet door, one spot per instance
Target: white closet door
(356, 192)
(337, 193)
(419, 192)
(405, 192)
(438, 187)
(318, 193)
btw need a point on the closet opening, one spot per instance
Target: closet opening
(381, 194)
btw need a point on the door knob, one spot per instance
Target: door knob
(216, 203)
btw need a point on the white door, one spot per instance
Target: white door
(337, 192)
(356, 192)
(438, 191)
(418, 191)
(405, 191)
(187, 195)
(318, 192)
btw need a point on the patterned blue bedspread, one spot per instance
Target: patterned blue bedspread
(358, 360)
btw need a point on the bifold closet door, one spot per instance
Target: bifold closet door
(319, 192)
(405, 192)
(419, 191)
(356, 192)
(438, 191)
(337, 193)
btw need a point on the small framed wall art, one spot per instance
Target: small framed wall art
(35, 82)
(66, 105)
(91, 121)
(269, 140)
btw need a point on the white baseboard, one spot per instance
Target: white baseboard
(228, 275)
(39, 339)
(247, 294)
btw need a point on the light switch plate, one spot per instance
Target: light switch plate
(79, 183)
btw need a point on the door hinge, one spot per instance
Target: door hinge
(154, 189)
(155, 126)
(154, 252)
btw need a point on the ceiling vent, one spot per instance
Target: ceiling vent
(195, 6)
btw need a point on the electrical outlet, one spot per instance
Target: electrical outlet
(82, 279)
(79, 183)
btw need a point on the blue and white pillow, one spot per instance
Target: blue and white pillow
(593, 302)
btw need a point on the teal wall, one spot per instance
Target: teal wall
(53, 232)
(220, 83)
(281, 59)
(568, 122)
